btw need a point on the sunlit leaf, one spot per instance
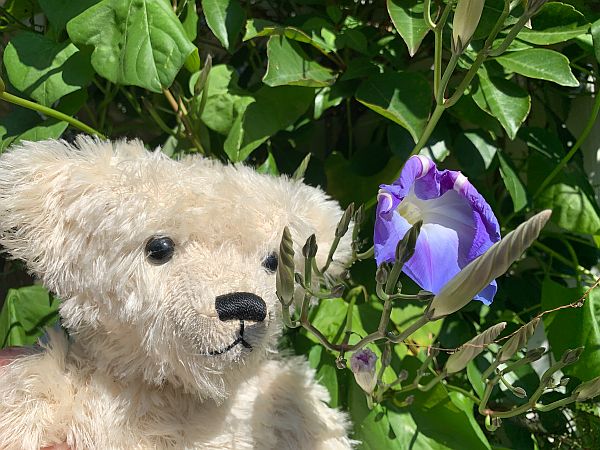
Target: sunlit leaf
(136, 42)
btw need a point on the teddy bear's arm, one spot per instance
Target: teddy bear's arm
(35, 401)
(292, 407)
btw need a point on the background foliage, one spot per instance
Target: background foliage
(350, 84)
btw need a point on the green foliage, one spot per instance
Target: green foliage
(27, 311)
(351, 85)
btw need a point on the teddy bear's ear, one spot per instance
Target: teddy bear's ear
(36, 180)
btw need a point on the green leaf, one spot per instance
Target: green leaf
(225, 18)
(26, 312)
(475, 151)
(375, 432)
(273, 109)
(474, 376)
(573, 327)
(269, 166)
(289, 65)
(504, 100)
(540, 63)
(59, 12)
(402, 97)
(466, 109)
(188, 16)
(225, 100)
(403, 317)
(330, 316)
(555, 22)
(407, 17)
(513, 183)
(136, 42)
(596, 38)
(260, 27)
(327, 373)
(407, 433)
(45, 70)
(448, 418)
(572, 208)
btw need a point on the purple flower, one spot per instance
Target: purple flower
(458, 224)
(362, 363)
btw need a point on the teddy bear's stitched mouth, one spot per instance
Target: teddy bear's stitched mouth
(239, 340)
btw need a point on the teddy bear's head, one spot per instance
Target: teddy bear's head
(166, 268)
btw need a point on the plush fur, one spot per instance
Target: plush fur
(137, 369)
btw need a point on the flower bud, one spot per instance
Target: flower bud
(362, 364)
(406, 246)
(535, 354)
(587, 390)
(518, 340)
(386, 357)
(480, 272)
(519, 392)
(469, 350)
(342, 226)
(402, 375)
(425, 296)
(284, 278)
(381, 275)
(571, 356)
(299, 279)
(337, 291)
(310, 247)
(359, 215)
(466, 19)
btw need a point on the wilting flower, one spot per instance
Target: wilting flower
(458, 224)
(362, 363)
(466, 19)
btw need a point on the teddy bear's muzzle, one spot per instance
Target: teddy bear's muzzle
(241, 306)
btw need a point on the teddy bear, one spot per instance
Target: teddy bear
(166, 272)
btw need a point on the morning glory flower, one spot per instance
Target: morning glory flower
(458, 224)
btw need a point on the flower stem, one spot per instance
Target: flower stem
(439, 98)
(10, 98)
(433, 120)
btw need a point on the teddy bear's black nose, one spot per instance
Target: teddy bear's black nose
(241, 306)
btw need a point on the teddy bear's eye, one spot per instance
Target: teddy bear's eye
(160, 249)
(270, 262)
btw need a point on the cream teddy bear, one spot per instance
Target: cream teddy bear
(166, 272)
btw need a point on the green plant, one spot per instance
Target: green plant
(359, 86)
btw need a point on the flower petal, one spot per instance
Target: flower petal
(390, 227)
(434, 262)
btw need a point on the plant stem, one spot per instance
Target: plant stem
(582, 137)
(10, 98)
(366, 254)
(439, 97)
(427, 15)
(433, 120)
(181, 111)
